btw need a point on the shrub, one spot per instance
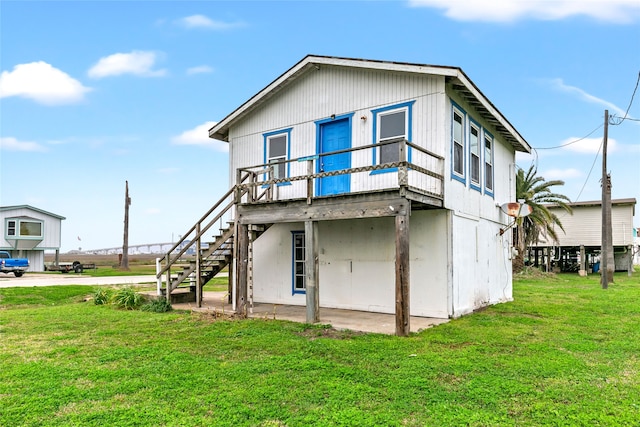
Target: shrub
(102, 296)
(160, 305)
(127, 298)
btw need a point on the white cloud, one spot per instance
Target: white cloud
(558, 84)
(201, 21)
(200, 136)
(9, 143)
(201, 69)
(42, 83)
(139, 63)
(589, 145)
(621, 11)
(561, 174)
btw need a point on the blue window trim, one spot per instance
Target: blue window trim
(288, 157)
(319, 123)
(409, 106)
(294, 291)
(489, 192)
(454, 175)
(476, 186)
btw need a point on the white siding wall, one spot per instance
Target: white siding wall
(481, 267)
(318, 95)
(357, 265)
(584, 227)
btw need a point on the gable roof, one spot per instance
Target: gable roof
(11, 208)
(597, 203)
(453, 75)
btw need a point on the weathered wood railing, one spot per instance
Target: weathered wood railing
(193, 237)
(404, 167)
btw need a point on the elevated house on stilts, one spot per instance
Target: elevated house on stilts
(362, 185)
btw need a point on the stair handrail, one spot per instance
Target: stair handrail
(242, 189)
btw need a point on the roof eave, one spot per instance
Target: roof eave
(221, 129)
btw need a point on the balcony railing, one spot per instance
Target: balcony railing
(417, 170)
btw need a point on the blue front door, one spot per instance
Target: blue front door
(333, 136)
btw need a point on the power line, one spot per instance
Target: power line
(572, 142)
(628, 108)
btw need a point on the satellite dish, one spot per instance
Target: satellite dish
(515, 210)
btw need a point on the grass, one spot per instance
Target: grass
(564, 353)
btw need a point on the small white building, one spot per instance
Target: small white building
(368, 185)
(28, 232)
(583, 230)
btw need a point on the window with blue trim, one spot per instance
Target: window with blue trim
(474, 158)
(458, 143)
(389, 123)
(488, 163)
(299, 277)
(276, 150)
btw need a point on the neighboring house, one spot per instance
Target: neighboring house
(370, 185)
(583, 230)
(28, 232)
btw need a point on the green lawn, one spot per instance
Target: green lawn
(564, 353)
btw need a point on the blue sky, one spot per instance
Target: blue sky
(96, 93)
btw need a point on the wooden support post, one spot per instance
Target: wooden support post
(230, 277)
(583, 262)
(311, 266)
(238, 190)
(198, 272)
(309, 181)
(242, 271)
(402, 274)
(168, 284)
(403, 177)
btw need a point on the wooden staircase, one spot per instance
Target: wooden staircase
(178, 266)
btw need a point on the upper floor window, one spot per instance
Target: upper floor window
(391, 123)
(30, 228)
(474, 160)
(277, 151)
(488, 162)
(458, 143)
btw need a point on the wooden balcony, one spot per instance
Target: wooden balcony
(414, 181)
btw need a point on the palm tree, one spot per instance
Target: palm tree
(536, 192)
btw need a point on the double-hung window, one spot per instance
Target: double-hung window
(392, 122)
(11, 228)
(299, 276)
(474, 159)
(488, 163)
(458, 124)
(277, 151)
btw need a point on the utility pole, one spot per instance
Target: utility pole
(607, 262)
(124, 264)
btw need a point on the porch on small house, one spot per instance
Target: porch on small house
(338, 185)
(312, 189)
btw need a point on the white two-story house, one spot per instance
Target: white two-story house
(371, 185)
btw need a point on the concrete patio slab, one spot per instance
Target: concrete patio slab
(360, 321)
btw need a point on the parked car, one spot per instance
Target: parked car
(17, 266)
